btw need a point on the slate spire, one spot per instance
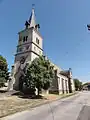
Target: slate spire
(31, 23)
(32, 19)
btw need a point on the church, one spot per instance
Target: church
(30, 46)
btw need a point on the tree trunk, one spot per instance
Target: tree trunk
(38, 91)
(47, 92)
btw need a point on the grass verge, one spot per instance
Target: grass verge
(15, 104)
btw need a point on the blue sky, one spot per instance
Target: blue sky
(63, 28)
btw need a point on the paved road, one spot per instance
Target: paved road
(72, 108)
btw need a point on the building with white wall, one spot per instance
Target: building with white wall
(63, 82)
(30, 46)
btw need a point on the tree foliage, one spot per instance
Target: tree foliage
(78, 84)
(39, 74)
(4, 74)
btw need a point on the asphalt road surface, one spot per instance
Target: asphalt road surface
(73, 108)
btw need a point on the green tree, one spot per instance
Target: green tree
(39, 74)
(4, 74)
(78, 84)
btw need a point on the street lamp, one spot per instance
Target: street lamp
(88, 26)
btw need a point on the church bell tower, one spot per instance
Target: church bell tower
(30, 40)
(30, 46)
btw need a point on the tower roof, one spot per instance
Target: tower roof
(32, 19)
